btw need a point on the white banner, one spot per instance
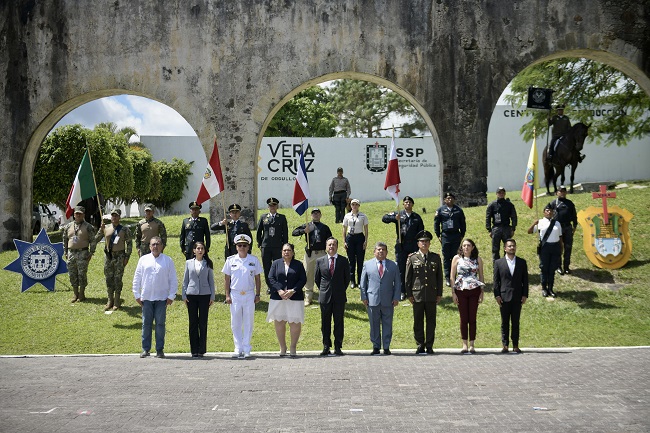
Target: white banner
(364, 162)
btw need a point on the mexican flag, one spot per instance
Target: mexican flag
(83, 186)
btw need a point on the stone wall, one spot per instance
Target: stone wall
(227, 66)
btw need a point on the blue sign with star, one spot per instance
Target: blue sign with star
(38, 262)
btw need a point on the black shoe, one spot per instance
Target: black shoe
(160, 354)
(567, 271)
(551, 292)
(144, 354)
(517, 350)
(338, 352)
(560, 271)
(544, 293)
(505, 349)
(200, 355)
(429, 350)
(325, 352)
(386, 351)
(420, 350)
(375, 352)
(195, 355)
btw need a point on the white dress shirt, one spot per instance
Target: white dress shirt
(155, 278)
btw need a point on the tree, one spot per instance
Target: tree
(116, 180)
(584, 86)
(362, 107)
(142, 173)
(173, 181)
(305, 115)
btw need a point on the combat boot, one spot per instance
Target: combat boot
(75, 297)
(82, 294)
(118, 300)
(109, 304)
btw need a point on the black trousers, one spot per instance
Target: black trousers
(339, 200)
(499, 234)
(327, 311)
(450, 244)
(402, 252)
(356, 254)
(567, 240)
(422, 310)
(549, 261)
(197, 311)
(510, 312)
(268, 255)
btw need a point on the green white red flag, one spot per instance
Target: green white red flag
(83, 186)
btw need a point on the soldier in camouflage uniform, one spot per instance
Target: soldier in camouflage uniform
(117, 247)
(148, 227)
(78, 248)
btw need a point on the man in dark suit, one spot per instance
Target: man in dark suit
(272, 233)
(380, 292)
(194, 229)
(408, 225)
(332, 277)
(511, 292)
(235, 227)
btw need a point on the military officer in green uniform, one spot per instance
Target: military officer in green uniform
(78, 248)
(117, 248)
(235, 226)
(148, 227)
(423, 281)
(194, 229)
(272, 233)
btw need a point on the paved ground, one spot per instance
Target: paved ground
(580, 390)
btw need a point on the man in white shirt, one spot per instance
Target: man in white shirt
(154, 287)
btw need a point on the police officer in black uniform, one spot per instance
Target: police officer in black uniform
(500, 221)
(449, 225)
(410, 225)
(565, 214)
(235, 226)
(272, 233)
(194, 229)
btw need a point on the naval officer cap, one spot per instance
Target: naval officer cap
(272, 201)
(194, 205)
(233, 207)
(424, 235)
(242, 238)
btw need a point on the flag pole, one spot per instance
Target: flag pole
(92, 169)
(399, 219)
(223, 204)
(536, 179)
(306, 218)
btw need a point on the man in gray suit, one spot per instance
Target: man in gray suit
(380, 292)
(511, 292)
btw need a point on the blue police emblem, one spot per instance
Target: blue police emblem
(38, 262)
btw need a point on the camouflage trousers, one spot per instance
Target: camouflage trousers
(144, 249)
(114, 271)
(78, 268)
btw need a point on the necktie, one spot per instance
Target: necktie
(331, 265)
(381, 269)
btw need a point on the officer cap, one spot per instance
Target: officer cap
(339, 169)
(314, 210)
(242, 238)
(117, 212)
(80, 209)
(355, 200)
(548, 206)
(560, 107)
(233, 207)
(562, 188)
(408, 198)
(272, 200)
(500, 189)
(194, 205)
(149, 206)
(449, 194)
(424, 235)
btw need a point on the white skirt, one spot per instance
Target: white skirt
(289, 311)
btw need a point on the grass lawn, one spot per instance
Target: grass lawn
(594, 307)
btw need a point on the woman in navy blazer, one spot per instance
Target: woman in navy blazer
(198, 295)
(287, 277)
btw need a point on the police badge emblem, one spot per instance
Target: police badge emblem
(38, 262)
(376, 157)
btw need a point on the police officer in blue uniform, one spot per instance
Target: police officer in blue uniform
(500, 221)
(449, 226)
(235, 226)
(194, 229)
(410, 225)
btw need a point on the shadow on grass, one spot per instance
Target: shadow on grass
(584, 299)
(603, 276)
(636, 263)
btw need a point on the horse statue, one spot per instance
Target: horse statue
(567, 152)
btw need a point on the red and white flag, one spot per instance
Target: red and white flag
(212, 179)
(392, 173)
(83, 186)
(301, 193)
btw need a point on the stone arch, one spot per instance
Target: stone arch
(40, 133)
(352, 76)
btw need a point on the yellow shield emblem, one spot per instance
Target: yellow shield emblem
(607, 244)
